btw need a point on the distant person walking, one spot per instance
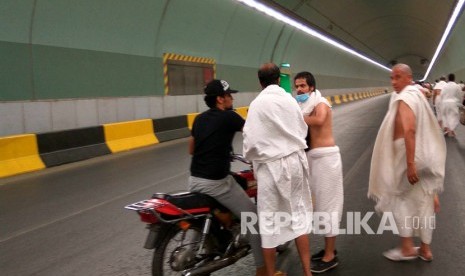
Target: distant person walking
(437, 102)
(451, 96)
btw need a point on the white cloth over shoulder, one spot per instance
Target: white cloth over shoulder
(430, 150)
(274, 127)
(314, 99)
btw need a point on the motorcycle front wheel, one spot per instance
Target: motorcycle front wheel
(177, 251)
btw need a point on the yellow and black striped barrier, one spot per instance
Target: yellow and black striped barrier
(19, 154)
(129, 135)
(31, 152)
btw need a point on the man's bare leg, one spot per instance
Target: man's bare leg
(261, 271)
(269, 256)
(407, 246)
(303, 247)
(330, 246)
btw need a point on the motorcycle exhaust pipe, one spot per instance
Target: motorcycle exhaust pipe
(217, 264)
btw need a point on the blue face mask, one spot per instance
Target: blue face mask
(302, 98)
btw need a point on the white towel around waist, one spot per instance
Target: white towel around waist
(323, 151)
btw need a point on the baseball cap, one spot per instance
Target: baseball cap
(218, 88)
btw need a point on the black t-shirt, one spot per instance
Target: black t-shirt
(213, 133)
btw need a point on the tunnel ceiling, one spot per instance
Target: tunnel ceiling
(406, 31)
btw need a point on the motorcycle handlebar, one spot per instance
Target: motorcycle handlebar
(240, 158)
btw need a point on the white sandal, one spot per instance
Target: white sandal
(396, 255)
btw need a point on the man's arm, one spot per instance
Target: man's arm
(191, 145)
(318, 115)
(436, 92)
(407, 118)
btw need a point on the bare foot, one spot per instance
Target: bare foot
(425, 253)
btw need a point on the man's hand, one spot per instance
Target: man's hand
(437, 205)
(412, 173)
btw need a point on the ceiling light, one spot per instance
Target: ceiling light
(452, 20)
(287, 20)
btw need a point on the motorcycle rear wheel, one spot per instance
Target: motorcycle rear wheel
(162, 257)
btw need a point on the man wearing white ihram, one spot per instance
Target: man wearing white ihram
(324, 161)
(437, 102)
(407, 167)
(274, 140)
(451, 98)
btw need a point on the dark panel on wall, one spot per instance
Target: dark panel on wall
(188, 78)
(73, 73)
(15, 72)
(68, 146)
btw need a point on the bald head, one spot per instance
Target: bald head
(403, 68)
(268, 74)
(401, 76)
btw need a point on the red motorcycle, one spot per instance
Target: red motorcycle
(192, 233)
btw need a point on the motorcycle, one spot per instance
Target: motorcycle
(192, 233)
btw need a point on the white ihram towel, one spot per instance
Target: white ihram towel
(274, 127)
(284, 201)
(326, 185)
(274, 139)
(314, 99)
(430, 151)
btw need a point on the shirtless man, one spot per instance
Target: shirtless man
(406, 175)
(325, 168)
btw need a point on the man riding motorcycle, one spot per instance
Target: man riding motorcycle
(210, 146)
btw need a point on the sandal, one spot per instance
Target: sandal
(425, 259)
(430, 259)
(396, 255)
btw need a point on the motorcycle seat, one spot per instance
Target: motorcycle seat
(189, 200)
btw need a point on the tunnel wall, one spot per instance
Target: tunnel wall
(68, 64)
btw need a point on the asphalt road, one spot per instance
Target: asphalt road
(69, 220)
